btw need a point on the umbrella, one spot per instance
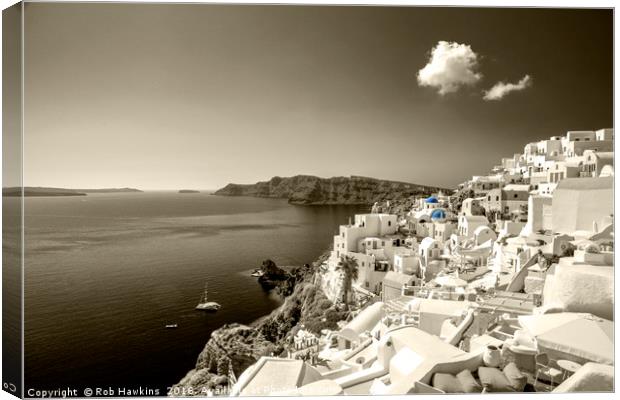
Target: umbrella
(450, 281)
(573, 335)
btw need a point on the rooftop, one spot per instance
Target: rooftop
(517, 188)
(278, 374)
(585, 184)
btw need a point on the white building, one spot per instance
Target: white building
(365, 225)
(581, 203)
(483, 234)
(594, 162)
(431, 263)
(371, 242)
(468, 224)
(472, 206)
(576, 142)
(442, 230)
(535, 208)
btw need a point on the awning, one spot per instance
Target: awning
(580, 335)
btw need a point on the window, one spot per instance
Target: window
(516, 195)
(389, 223)
(489, 198)
(382, 243)
(496, 198)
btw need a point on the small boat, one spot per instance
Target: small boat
(257, 273)
(172, 326)
(206, 305)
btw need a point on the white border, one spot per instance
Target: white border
(456, 3)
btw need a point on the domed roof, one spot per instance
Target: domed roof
(427, 242)
(438, 214)
(431, 199)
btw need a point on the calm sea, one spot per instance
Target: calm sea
(105, 273)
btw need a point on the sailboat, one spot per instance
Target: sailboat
(206, 305)
(257, 273)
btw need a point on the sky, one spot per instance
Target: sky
(189, 96)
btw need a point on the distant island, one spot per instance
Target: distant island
(30, 191)
(110, 190)
(312, 190)
(188, 191)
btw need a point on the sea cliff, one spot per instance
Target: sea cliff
(312, 190)
(239, 346)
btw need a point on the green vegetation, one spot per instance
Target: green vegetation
(461, 195)
(348, 265)
(238, 346)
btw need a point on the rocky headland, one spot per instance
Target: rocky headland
(239, 346)
(312, 190)
(30, 191)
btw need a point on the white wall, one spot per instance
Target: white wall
(575, 210)
(535, 213)
(581, 288)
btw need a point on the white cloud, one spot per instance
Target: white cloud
(501, 89)
(451, 65)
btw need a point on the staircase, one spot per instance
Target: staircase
(397, 304)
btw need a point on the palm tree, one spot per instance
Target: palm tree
(348, 265)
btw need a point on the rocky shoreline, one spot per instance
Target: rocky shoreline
(236, 346)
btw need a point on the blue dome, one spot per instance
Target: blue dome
(431, 200)
(438, 214)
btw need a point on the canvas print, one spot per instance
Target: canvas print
(306, 200)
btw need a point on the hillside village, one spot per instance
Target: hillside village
(504, 285)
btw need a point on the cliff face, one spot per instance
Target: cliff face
(231, 346)
(306, 189)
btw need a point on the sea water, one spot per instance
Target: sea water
(105, 273)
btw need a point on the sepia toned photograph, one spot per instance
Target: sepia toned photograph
(306, 200)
